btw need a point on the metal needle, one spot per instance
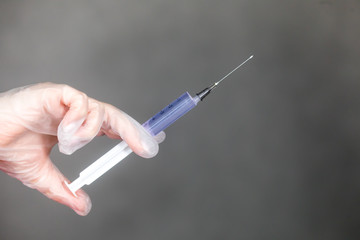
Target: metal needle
(215, 84)
(207, 90)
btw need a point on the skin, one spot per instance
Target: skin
(35, 118)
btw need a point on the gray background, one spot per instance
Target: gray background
(272, 154)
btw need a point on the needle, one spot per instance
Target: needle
(207, 90)
(215, 84)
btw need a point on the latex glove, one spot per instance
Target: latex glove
(34, 118)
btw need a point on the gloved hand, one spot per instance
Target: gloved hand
(34, 118)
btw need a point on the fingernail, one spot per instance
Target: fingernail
(69, 128)
(73, 126)
(65, 148)
(88, 205)
(148, 142)
(151, 148)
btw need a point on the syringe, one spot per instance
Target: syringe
(154, 125)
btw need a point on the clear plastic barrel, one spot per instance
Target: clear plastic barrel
(170, 114)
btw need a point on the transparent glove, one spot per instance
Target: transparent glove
(34, 118)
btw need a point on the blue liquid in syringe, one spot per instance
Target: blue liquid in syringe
(170, 113)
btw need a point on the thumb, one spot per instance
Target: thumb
(52, 184)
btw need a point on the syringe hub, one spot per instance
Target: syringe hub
(203, 93)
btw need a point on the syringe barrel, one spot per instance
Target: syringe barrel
(170, 113)
(154, 125)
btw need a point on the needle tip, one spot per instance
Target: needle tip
(251, 56)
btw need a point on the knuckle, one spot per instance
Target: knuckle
(95, 104)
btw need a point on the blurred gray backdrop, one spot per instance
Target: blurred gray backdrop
(272, 154)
